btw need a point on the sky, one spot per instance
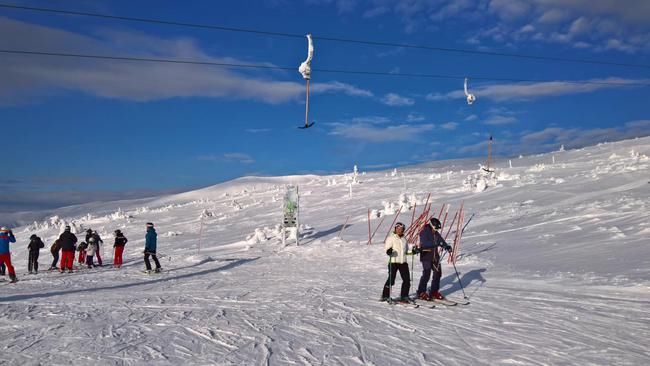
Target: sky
(78, 130)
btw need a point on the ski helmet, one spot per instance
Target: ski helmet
(118, 232)
(399, 224)
(89, 231)
(435, 223)
(150, 224)
(4, 228)
(33, 237)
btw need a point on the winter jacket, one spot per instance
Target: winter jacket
(400, 247)
(150, 240)
(120, 241)
(82, 246)
(91, 249)
(6, 237)
(98, 240)
(429, 243)
(35, 245)
(56, 246)
(68, 241)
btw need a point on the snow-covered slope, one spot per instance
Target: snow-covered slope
(556, 262)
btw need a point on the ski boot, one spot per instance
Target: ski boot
(13, 279)
(158, 270)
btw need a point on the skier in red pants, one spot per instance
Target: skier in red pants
(6, 237)
(120, 242)
(68, 241)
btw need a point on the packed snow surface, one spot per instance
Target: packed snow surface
(556, 263)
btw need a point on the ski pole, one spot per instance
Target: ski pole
(470, 219)
(390, 280)
(459, 281)
(412, 265)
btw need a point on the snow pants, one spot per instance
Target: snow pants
(146, 260)
(82, 257)
(117, 257)
(67, 259)
(55, 255)
(403, 269)
(89, 261)
(32, 261)
(98, 254)
(5, 259)
(430, 264)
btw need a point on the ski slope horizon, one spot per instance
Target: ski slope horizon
(556, 263)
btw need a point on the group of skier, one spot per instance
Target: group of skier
(397, 249)
(66, 245)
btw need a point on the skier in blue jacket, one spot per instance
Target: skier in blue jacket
(430, 240)
(150, 248)
(6, 237)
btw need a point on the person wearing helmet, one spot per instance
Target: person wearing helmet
(120, 242)
(396, 248)
(150, 246)
(98, 241)
(430, 241)
(91, 249)
(34, 247)
(7, 237)
(68, 242)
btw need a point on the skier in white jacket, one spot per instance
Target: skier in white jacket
(397, 248)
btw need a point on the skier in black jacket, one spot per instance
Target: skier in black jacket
(120, 242)
(68, 241)
(430, 241)
(34, 246)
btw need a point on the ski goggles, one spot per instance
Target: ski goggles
(400, 225)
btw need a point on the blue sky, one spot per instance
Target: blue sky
(78, 130)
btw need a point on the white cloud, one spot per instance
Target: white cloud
(233, 157)
(379, 133)
(449, 125)
(24, 77)
(500, 120)
(414, 117)
(552, 138)
(471, 117)
(336, 86)
(531, 91)
(393, 99)
(257, 130)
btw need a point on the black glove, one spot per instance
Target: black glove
(448, 249)
(389, 251)
(415, 250)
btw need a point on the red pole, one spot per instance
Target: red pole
(413, 217)
(377, 228)
(451, 225)
(394, 220)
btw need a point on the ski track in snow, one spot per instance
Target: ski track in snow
(557, 274)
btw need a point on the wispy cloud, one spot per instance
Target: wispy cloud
(233, 157)
(257, 130)
(551, 138)
(374, 133)
(522, 92)
(396, 100)
(449, 125)
(25, 77)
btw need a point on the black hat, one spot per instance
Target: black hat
(89, 231)
(435, 223)
(150, 224)
(33, 237)
(67, 228)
